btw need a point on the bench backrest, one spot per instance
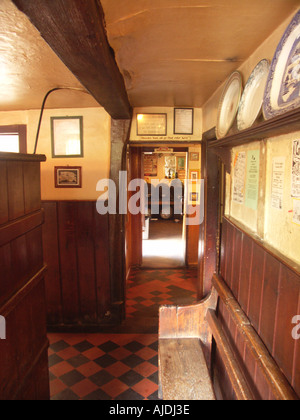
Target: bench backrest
(278, 383)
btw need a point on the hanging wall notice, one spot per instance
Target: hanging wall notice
(296, 212)
(239, 174)
(252, 183)
(183, 121)
(151, 124)
(278, 170)
(296, 169)
(150, 165)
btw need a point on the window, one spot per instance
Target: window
(13, 139)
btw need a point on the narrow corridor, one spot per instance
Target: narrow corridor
(121, 365)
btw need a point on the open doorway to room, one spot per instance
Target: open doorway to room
(165, 237)
(164, 244)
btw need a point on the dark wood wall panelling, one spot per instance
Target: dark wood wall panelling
(134, 223)
(24, 357)
(75, 240)
(209, 229)
(268, 291)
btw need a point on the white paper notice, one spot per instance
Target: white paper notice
(239, 178)
(296, 212)
(296, 169)
(278, 171)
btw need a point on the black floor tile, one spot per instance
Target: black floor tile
(131, 378)
(109, 346)
(72, 378)
(97, 395)
(105, 361)
(66, 395)
(130, 395)
(134, 346)
(83, 346)
(54, 359)
(132, 361)
(101, 378)
(77, 361)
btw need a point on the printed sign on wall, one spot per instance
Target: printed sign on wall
(239, 175)
(278, 170)
(252, 183)
(296, 169)
(296, 212)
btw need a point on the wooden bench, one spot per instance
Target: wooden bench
(185, 344)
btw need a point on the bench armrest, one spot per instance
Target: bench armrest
(187, 321)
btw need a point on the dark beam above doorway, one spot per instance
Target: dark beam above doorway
(75, 30)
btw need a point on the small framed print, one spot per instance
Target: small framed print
(151, 124)
(194, 156)
(194, 197)
(184, 121)
(68, 176)
(194, 175)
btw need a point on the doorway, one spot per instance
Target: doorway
(163, 239)
(164, 243)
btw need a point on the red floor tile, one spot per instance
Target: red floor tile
(115, 388)
(146, 369)
(83, 388)
(145, 388)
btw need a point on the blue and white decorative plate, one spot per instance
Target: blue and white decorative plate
(283, 86)
(252, 99)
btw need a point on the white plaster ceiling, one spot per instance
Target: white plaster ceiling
(178, 52)
(29, 68)
(170, 52)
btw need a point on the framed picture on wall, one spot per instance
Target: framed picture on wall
(68, 176)
(194, 156)
(184, 121)
(151, 124)
(194, 175)
(194, 197)
(150, 165)
(67, 137)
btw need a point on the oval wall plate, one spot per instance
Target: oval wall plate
(252, 99)
(282, 92)
(229, 104)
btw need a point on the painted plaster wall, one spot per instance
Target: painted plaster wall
(265, 51)
(275, 226)
(280, 230)
(96, 139)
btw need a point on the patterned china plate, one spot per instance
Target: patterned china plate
(283, 86)
(229, 104)
(253, 96)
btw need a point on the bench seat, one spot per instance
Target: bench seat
(186, 334)
(183, 371)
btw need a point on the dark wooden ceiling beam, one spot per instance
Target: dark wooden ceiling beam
(75, 30)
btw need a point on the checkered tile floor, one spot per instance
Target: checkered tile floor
(119, 366)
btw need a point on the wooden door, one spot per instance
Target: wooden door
(24, 351)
